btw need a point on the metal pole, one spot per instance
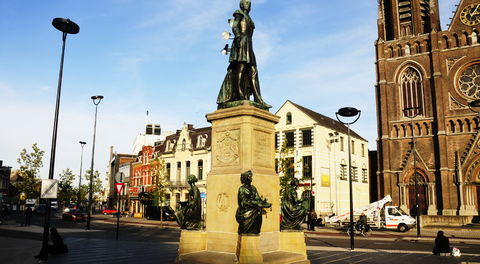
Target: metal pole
(414, 114)
(82, 144)
(118, 214)
(352, 232)
(43, 255)
(349, 112)
(415, 179)
(91, 171)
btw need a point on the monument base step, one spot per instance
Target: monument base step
(211, 257)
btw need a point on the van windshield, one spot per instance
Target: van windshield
(401, 211)
(393, 211)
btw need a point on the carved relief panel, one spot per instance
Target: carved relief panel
(227, 148)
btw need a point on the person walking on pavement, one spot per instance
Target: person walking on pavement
(442, 244)
(4, 212)
(28, 215)
(312, 219)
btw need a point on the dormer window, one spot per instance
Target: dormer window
(184, 145)
(289, 118)
(201, 141)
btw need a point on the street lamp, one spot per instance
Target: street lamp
(96, 101)
(349, 112)
(67, 27)
(82, 144)
(412, 112)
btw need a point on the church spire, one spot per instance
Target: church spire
(403, 18)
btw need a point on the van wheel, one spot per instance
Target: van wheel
(402, 227)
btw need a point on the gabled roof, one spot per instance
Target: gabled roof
(193, 133)
(325, 121)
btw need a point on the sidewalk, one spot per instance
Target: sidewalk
(22, 248)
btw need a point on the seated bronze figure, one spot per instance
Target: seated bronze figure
(293, 209)
(190, 216)
(250, 206)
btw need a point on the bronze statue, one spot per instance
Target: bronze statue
(190, 216)
(241, 80)
(250, 206)
(293, 209)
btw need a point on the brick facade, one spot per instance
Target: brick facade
(426, 78)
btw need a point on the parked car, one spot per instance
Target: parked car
(74, 215)
(109, 211)
(153, 212)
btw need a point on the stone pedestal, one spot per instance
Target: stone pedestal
(242, 139)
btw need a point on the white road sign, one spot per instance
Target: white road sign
(49, 189)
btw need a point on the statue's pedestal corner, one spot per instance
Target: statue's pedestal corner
(293, 241)
(192, 241)
(249, 249)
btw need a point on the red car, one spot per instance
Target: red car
(109, 211)
(74, 215)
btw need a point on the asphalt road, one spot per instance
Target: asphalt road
(147, 242)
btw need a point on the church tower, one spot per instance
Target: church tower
(428, 136)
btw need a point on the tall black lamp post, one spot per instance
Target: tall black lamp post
(96, 100)
(67, 27)
(412, 112)
(82, 144)
(349, 112)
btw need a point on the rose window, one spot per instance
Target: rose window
(469, 81)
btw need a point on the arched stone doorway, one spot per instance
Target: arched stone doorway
(422, 195)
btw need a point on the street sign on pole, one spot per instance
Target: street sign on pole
(119, 187)
(203, 195)
(49, 188)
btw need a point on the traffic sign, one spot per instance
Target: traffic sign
(120, 177)
(119, 187)
(203, 195)
(49, 189)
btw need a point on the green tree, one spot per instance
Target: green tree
(285, 167)
(160, 181)
(30, 164)
(96, 183)
(66, 192)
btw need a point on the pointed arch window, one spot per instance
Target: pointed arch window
(412, 92)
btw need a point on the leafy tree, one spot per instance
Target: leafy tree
(66, 193)
(96, 183)
(30, 164)
(285, 167)
(160, 182)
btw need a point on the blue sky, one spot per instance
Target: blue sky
(164, 56)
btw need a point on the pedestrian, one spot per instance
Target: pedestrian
(442, 244)
(28, 215)
(4, 212)
(312, 219)
(58, 245)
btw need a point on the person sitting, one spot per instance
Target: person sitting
(362, 222)
(442, 244)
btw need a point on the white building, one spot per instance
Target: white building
(319, 152)
(186, 152)
(153, 133)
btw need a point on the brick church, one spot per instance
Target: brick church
(426, 79)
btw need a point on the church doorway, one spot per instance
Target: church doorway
(422, 199)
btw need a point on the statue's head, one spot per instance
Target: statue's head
(192, 178)
(294, 182)
(246, 177)
(245, 5)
